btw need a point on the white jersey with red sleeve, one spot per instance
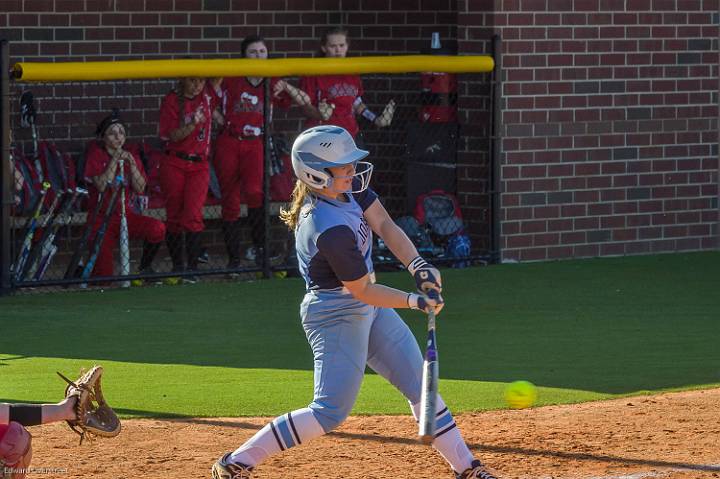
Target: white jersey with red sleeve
(339, 90)
(243, 106)
(197, 142)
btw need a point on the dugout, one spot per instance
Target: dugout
(66, 94)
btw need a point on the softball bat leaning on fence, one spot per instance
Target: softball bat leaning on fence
(124, 236)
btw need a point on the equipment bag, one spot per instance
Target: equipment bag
(440, 212)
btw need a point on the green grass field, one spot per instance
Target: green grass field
(580, 330)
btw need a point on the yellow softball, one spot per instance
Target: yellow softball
(520, 394)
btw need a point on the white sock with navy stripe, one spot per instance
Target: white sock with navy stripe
(282, 433)
(448, 441)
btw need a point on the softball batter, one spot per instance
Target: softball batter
(348, 319)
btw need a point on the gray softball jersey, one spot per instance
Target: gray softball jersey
(334, 241)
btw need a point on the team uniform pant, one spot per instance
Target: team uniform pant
(139, 227)
(346, 335)
(185, 185)
(239, 167)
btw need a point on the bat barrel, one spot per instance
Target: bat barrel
(428, 399)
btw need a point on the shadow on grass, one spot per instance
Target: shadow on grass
(612, 325)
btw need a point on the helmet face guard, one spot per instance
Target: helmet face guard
(363, 177)
(322, 147)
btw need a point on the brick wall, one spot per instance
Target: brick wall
(88, 30)
(609, 110)
(610, 124)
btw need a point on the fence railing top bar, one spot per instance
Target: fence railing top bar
(279, 67)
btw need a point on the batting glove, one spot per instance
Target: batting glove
(386, 117)
(326, 109)
(420, 302)
(427, 277)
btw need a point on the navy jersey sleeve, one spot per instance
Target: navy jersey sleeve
(364, 198)
(338, 246)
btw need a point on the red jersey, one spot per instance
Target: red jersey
(96, 162)
(340, 90)
(243, 105)
(197, 142)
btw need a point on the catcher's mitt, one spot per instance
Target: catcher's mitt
(93, 414)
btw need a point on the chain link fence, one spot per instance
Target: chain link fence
(149, 182)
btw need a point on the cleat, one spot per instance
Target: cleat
(224, 469)
(476, 471)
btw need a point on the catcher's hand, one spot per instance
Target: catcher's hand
(93, 414)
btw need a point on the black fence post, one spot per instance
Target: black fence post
(496, 151)
(6, 179)
(267, 112)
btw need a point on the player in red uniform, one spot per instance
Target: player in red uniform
(239, 152)
(185, 124)
(336, 99)
(102, 167)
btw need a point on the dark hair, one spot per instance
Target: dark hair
(110, 120)
(247, 41)
(333, 31)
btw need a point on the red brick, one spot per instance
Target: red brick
(195, 5)
(559, 60)
(521, 213)
(98, 34)
(589, 223)
(517, 186)
(559, 142)
(54, 20)
(157, 33)
(612, 249)
(109, 19)
(37, 6)
(563, 224)
(559, 252)
(599, 209)
(54, 49)
(617, 194)
(546, 184)
(649, 233)
(533, 254)
(536, 226)
(145, 19)
(573, 237)
(211, 18)
(144, 48)
(546, 212)
(572, 19)
(573, 183)
(128, 34)
(23, 20)
(547, 239)
(85, 48)
(187, 32)
(639, 220)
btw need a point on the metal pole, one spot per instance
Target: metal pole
(496, 152)
(267, 111)
(6, 179)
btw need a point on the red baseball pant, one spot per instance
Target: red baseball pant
(239, 167)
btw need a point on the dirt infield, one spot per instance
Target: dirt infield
(669, 436)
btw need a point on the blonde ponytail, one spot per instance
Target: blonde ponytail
(290, 216)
